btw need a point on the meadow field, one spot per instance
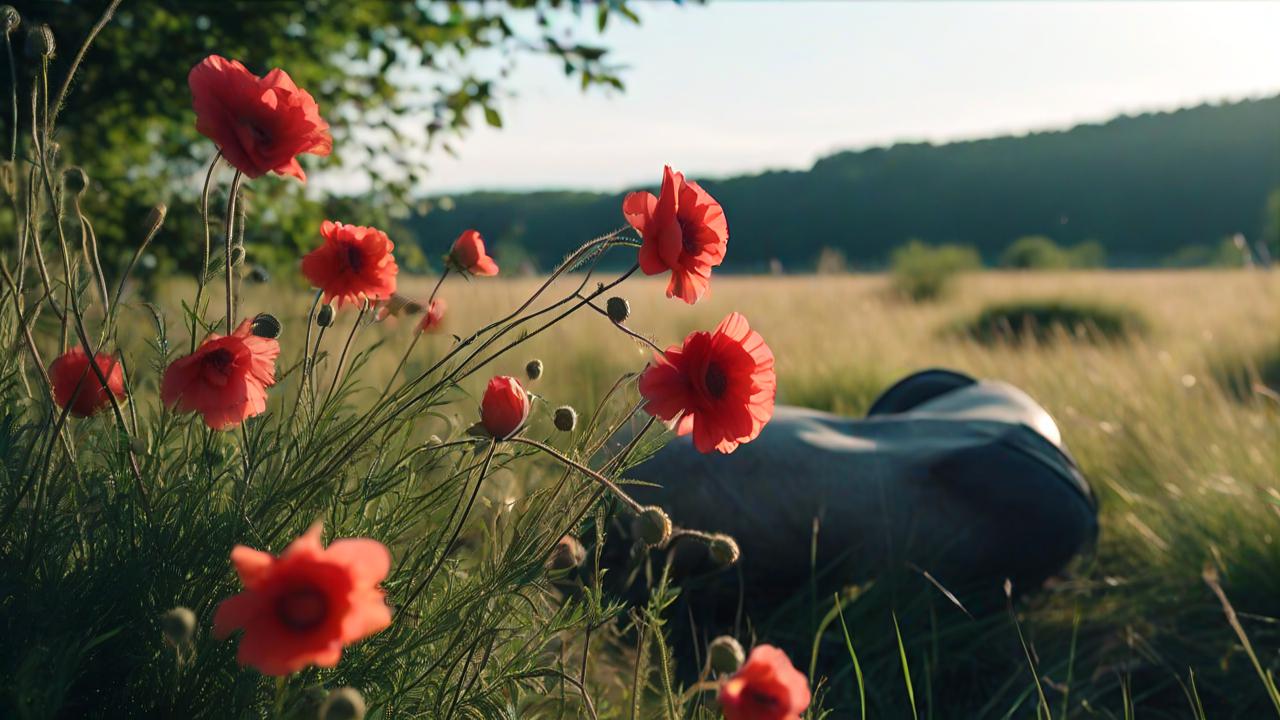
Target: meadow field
(1172, 424)
(221, 498)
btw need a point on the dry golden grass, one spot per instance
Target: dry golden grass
(1185, 469)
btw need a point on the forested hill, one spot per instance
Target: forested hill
(1144, 186)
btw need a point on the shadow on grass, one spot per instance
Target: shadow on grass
(1249, 379)
(1043, 321)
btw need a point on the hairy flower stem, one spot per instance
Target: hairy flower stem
(202, 277)
(542, 328)
(457, 530)
(75, 62)
(571, 261)
(13, 97)
(128, 271)
(342, 359)
(414, 342)
(565, 459)
(229, 230)
(393, 407)
(625, 330)
(89, 246)
(33, 208)
(74, 311)
(306, 359)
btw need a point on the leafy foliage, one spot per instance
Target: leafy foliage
(392, 78)
(1037, 252)
(924, 272)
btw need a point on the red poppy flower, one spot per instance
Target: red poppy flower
(719, 385)
(504, 408)
(766, 687)
(434, 317)
(261, 124)
(468, 254)
(75, 383)
(303, 607)
(225, 379)
(682, 230)
(354, 263)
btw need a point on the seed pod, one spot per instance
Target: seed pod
(568, 554)
(343, 704)
(724, 550)
(266, 325)
(155, 218)
(178, 626)
(725, 655)
(313, 697)
(326, 315)
(652, 526)
(40, 42)
(566, 418)
(9, 18)
(75, 180)
(618, 309)
(533, 369)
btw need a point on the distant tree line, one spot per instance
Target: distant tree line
(1147, 190)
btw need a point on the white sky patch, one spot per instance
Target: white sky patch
(740, 87)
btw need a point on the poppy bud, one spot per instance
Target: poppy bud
(504, 407)
(10, 18)
(568, 554)
(434, 440)
(155, 217)
(40, 43)
(724, 550)
(566, 418)
(534, 369)
(75, 180)
(266, 325)
(325, 317)
(343, 704)
(178, 626)
(652, 526)
(618, 309)
(725, 655)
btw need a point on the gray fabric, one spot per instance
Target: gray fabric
(972, 485)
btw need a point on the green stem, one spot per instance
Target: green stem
(606, 482)
(229, 229)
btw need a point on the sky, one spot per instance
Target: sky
(738, 87)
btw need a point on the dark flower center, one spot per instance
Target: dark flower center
(355, 258)
(302, 608)
(716, 380)
(762, 700)
(260, 136)
(219, 359)
(686, 236)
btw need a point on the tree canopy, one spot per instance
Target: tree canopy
(392, 77)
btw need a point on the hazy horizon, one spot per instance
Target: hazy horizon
(848, 76)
